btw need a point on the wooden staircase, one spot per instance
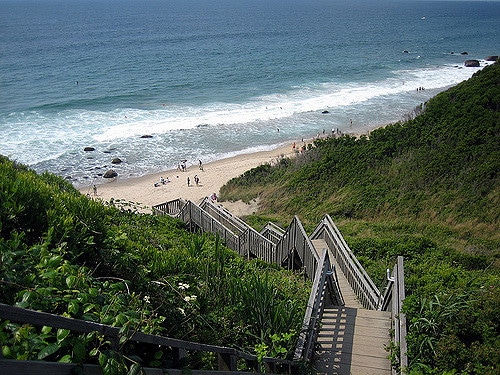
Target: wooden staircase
(352, 339)
(348, 320)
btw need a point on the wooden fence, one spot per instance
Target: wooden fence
(296, 243)
(171, 207)
(292, 246)
(392, 300)
(272, 232)
(362, 285)
(228, 358)
(325, 289)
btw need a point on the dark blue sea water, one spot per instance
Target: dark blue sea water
(213, 78)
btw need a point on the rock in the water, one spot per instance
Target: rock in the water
(464, 53)
(471, 63)
(116, 161)
(492, 58)
(89, 149)
(146, 136)
(325, 111)
(110, 174)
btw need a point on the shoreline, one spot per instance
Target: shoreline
(147, 191)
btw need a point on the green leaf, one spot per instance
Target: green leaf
(6, 351)
(79, 351)
(134, 369)
(65, 359)
(62, 334)
(48, 350)
(73, 306)
(103, 359)
(46, 329)
(123, 339)
(94, 352)
(88, 307)
(71, 281)
(158, 354)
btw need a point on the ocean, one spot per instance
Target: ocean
(153, 82)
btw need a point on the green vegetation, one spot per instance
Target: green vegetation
(427, 189)
(66, 254)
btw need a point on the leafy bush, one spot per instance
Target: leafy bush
(64, 253)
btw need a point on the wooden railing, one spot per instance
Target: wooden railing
(295, 242)
(286, 247)
(228, 358)
(325, 286)
(272, 232)
(362, 285)
(392, 300)
(171, 207)
(224, 216)
(291, 247)
(209, 216)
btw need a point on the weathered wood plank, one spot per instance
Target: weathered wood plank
(348, 344)
(12, 367)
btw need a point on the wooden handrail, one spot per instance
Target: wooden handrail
(294, 242)
(324, 282)
(272, 232)
(358, 279)
(228, 357)
(392, 300)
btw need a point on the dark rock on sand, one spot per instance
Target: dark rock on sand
(110, 174)
(89, 149)
(471, 63)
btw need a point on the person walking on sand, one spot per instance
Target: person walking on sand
(95, 190)
(201, 165)
(189, 182)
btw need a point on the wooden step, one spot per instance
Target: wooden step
(352, 341)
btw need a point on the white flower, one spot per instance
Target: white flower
(183, 286)
(181, 310)
(146, 299)
(190, 298)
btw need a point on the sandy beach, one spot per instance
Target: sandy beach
(148, 191)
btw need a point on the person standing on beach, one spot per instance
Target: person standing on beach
(201, 165)
(189, 182)
(95, 190)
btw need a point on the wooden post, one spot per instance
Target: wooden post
(227, 362)
(178, 354)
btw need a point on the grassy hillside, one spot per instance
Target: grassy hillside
(427, 189)
(442, 166)
(64, 253)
